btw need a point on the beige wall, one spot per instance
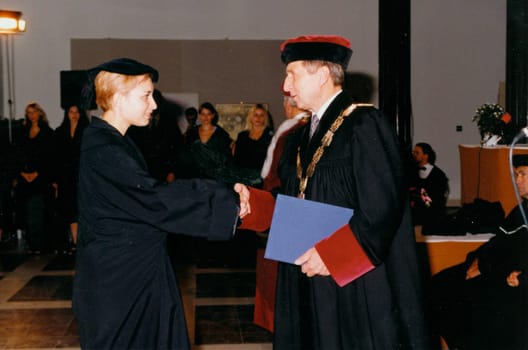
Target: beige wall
(219, 71)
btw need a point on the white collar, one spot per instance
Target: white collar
(425, 173)
(325, 105)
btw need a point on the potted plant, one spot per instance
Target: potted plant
(493, 123)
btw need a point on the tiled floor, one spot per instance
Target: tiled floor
(218, 295)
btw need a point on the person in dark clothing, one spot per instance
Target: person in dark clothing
(191, 116)
(208, 152)
(33, 184)
(251, 144)
(67, 152)
(429, 187)
(481, 304)
(360, 287)
(207, 147)
(161, 138)
(125, 294)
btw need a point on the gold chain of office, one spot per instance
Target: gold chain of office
(325, 142)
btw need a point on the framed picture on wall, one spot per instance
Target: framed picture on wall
(232, 116)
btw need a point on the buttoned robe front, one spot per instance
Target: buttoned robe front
(125, 291)
(373, 298)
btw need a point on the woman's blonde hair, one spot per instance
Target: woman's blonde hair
(107, 84)
(43, 118)
(252, 111)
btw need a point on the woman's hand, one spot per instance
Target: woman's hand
(243, 193)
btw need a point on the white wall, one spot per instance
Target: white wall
(458, 59)
(458, 48)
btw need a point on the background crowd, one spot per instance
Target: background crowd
(39, 168)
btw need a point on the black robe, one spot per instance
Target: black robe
(125, 292)
(382, 309)
(67, 153)
(484, 312)
(251, 153)
(436, 186)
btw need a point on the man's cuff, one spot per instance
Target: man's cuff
(343, 256)
(262, 204)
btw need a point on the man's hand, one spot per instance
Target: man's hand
(473, 270)
(243, 193)
(312, 264)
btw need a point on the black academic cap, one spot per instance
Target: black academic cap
(125, 66)
(520, 160)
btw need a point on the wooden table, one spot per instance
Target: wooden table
(444, 251)
(485, 174)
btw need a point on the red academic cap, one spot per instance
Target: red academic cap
(330, 48)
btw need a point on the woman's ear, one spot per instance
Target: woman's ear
(116, 99)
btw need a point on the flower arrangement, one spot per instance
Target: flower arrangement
(492, 122)
(425, 198)
(419, 197)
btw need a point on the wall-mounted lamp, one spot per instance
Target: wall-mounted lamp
(11, 22)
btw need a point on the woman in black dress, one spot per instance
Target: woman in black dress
(68, 148)
(33, 183)
(252, 144)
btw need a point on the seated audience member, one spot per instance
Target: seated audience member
(429, 186)
(251, 144)
(481, 303)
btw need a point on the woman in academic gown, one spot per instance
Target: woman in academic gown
(125, 292)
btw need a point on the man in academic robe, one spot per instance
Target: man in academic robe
(481, 303)
(359, 288)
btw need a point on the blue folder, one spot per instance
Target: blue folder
(297, 224)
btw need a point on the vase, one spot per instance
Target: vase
(490, 139)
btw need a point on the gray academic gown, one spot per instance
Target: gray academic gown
(125, 292)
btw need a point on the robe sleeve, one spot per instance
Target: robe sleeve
(123, 191)
(343, 256)
(262, 204)
(379, 190)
